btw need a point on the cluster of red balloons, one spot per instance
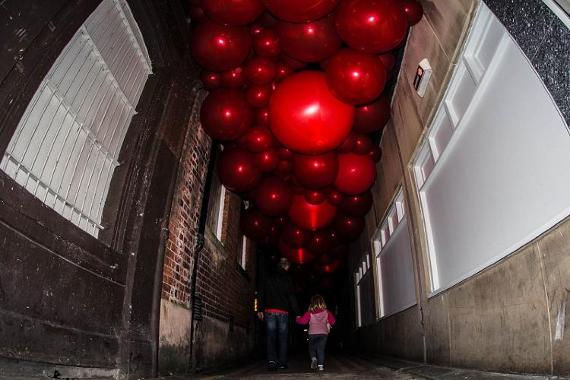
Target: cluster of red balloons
(296, 92)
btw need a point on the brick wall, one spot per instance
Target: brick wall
(185, 212)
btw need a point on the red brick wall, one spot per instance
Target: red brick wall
(185, 213)
(226, 290)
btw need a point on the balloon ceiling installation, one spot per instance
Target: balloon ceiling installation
(297, 97)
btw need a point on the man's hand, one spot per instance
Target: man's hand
(260, 315)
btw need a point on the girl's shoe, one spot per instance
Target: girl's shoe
(321, 367)
(313, 363)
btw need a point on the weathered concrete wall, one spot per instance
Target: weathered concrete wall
(511, 316)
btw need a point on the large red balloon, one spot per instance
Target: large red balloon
(355, 77)
(413, 11)
(308, 216)
(234, 78)
(232, 12)
(296, 255)
(356, 205)
(372, 117)
(258, 95)
(210, 80)
(218, 47)
(260, 70)
(237, 170)
(300, 10)
(267, 161)
(356, 173)
(254, 225)
(306, 117)
(257, 139)
(273, 196)
(309, 42)
(294, 236)
(349, 227)
(372, 26)
(316, 171)
(225, 114)
(266, 43)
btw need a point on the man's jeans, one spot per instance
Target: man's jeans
(277, 330)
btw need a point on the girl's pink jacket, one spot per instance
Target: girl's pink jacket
(317, 321)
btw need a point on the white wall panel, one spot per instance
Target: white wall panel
(397, 272)
(502, 180)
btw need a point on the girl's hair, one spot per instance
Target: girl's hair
(317, 303)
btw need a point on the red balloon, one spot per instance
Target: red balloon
(300, 10)
(296, 255)
(329, 265)
(234, 78)
(267, 161)
(258, 139)
(355, 77)
(225, 114)
(349, 227)
(375, 153)
(306, 116)
(232, 12)
(335, 197)
(315, 172)
(356, 205)
(308, 216)
(285, 154)
(266, 43)
(356, 173)
(210, 80)
(262, 117)
(388, 60)
(284, 168)
(218, 47)
(258, 95)
(294, 236)
(273, 196)
(362, 144)
(254, 225)
(260, 70)
(347, 145)
(372, 26)
(237, 170)
(309, 42)
(315, 197)
(283, 71)
(372, 117)
(413, 10)
(321, 242)
(255, 29)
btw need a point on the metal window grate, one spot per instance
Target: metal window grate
(66, 146)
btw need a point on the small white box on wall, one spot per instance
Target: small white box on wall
(422, 77)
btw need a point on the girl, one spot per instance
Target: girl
(320, 321)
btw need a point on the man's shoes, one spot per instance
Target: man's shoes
(321, 367)
(283, 366)
(272, 366)
(313, 363)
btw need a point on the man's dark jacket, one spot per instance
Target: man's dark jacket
(278, 293)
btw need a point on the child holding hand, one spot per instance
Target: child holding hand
(320, 321)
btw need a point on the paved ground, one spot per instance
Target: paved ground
(352, 367)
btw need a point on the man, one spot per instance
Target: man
(277, 298)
